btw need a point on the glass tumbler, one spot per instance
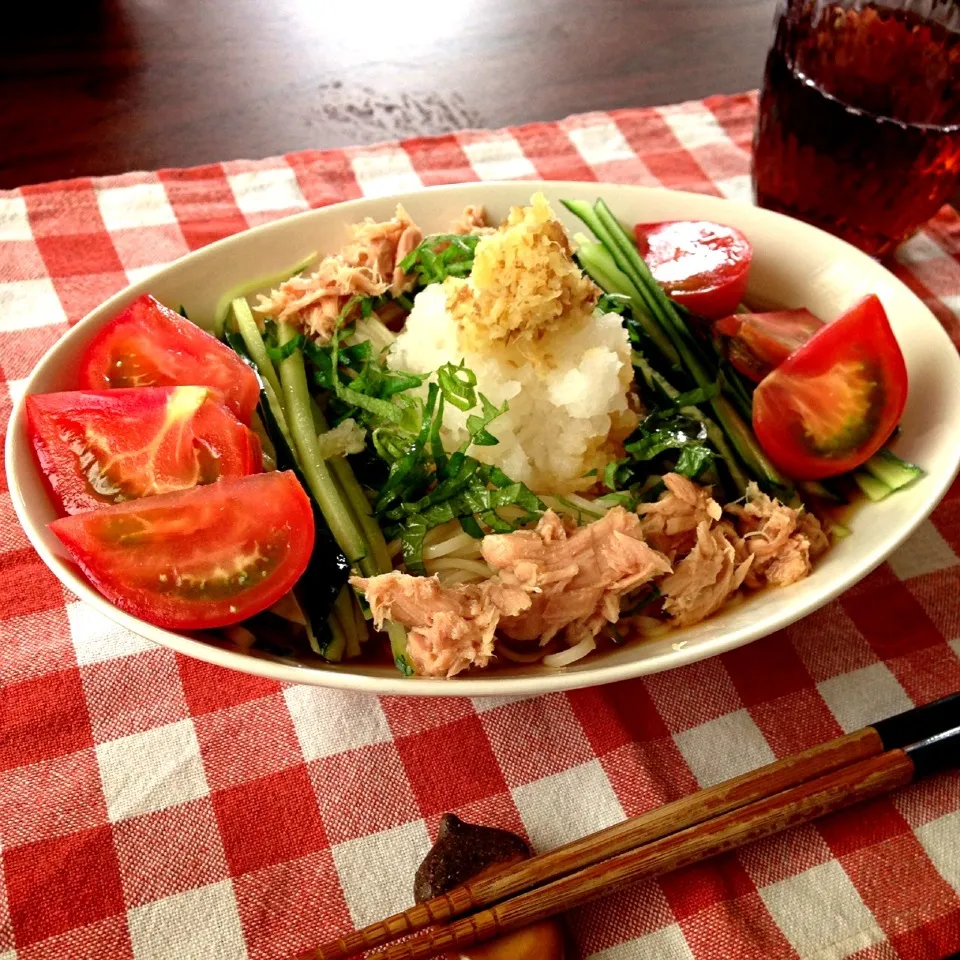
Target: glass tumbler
(859, 124)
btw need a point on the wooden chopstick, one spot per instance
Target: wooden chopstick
(672, 819)
(609, 842)
(799, 804)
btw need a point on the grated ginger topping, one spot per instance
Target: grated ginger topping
(524, 284)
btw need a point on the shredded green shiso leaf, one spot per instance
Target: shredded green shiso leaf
(441, 255)
(424, 486)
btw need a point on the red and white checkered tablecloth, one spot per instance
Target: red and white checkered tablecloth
(153, 806)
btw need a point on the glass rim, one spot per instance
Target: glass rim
(786, 8)
(881, 117)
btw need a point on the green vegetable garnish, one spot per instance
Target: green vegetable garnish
(439, 256)
(617, 267)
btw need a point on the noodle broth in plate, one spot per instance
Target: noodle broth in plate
(794, 265)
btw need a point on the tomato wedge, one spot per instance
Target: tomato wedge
(761, 341)
(834, 402)
(199, 559)
(149, 345)
(701, 265)
(106, 446)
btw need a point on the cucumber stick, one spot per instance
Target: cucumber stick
(252, 340)
(872, 488)
(336, 510)
(658, 382)
(601, 268)
(358, 502)
(222, 310)
(888, 468)
(610, 232)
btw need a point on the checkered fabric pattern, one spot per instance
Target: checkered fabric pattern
(152, 806)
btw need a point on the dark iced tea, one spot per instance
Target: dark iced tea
(858, 130)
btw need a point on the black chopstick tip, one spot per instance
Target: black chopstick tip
(935, 754)
(920, 723)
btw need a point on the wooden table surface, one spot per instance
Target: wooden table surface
(103, 86)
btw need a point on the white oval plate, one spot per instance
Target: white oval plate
(794, 265)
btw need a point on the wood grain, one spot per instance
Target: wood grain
(681, 814)
(103, 86)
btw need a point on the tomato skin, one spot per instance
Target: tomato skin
(701, 265)
(758, 342)
(150, 345)
(834, 402)
(106, 446)
(162, 558)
